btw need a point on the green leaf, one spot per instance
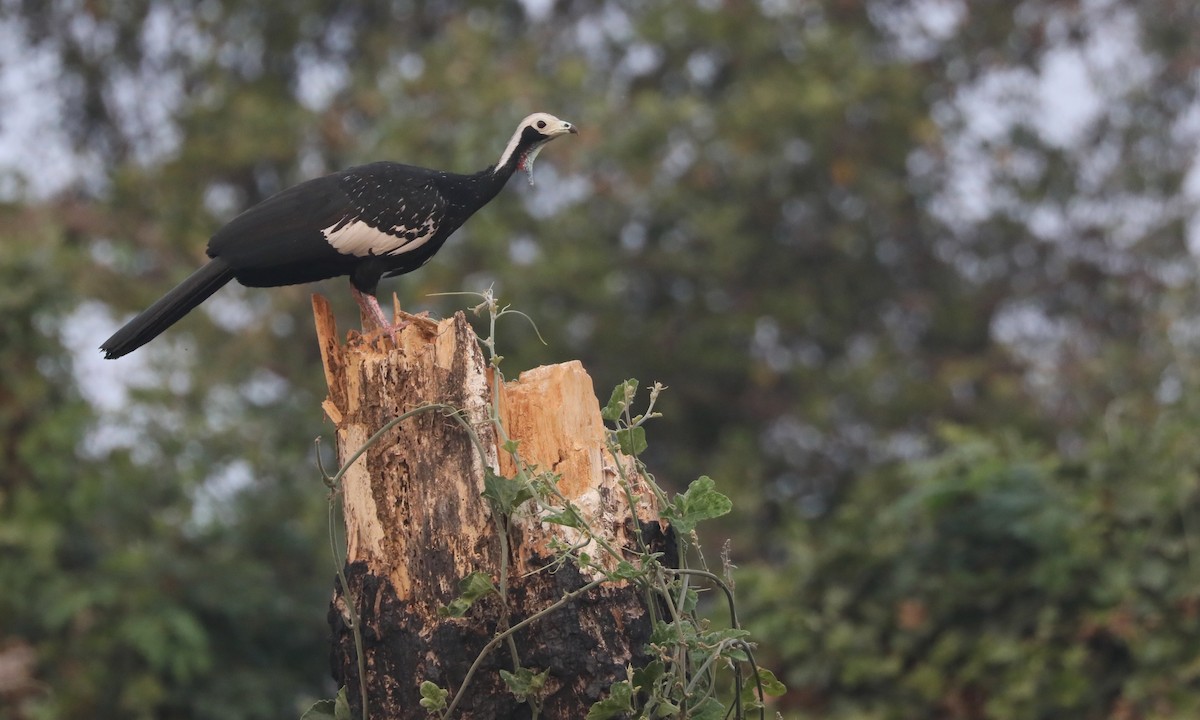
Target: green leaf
(710, 709)
(337, 708)
(714, 637)
(511, 446)
(471, 588)
(750, 703)
(618, 702)
(567, 517)
(622, 396)
(691, 598)
(320, 710)
(665, 633)
(770, 684)
(341, 706)
(433, 698)
(524, 682)
(700, 502)
(632, 441)
(506, 494)
(627, 571)
(644, 678)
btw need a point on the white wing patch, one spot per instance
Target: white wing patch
(359, 239)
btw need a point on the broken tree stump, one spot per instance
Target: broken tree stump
(416, 525)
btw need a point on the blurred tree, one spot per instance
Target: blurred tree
(998, 580)
(162, 562)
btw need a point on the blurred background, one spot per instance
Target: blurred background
(920, 277)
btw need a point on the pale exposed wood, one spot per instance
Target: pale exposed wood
(331, 356)
(424, 477)
(553, 412)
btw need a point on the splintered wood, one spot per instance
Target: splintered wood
(416, 523)
(553, 413)
(411, 501)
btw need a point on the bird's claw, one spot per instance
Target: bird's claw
(393, 330)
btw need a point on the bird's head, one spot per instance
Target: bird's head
(531, 136)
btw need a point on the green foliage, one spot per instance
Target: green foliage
(505, 494)
(771, 685)
(335, 709)
(700, 502)
(1000, 579)
(525, 683)
(619, 703)
(433, 698)
(630, 435)
(470, 589)
(632, 441)
(620, 401)
(139, 585)
(568, 517)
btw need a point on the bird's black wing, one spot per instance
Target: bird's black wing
(324, 227)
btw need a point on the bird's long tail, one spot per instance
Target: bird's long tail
(169, 309)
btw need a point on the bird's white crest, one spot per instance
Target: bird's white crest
(547, 125)
(361, 240)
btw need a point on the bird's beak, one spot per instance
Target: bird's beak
(567, 128)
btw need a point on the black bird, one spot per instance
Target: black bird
(368, 222)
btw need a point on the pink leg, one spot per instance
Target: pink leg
(370, 308)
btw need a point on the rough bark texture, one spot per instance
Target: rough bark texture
(416, 525)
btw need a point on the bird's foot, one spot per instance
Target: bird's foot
(373, 315)
(393, 330)
(369, 306)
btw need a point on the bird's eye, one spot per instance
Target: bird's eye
(541, 124)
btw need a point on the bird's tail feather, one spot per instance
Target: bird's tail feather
(169, 309)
